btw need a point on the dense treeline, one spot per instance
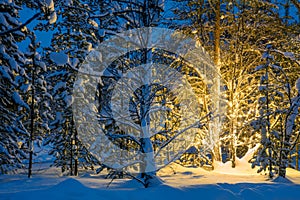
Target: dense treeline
(255, 46)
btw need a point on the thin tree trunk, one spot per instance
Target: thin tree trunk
(283, 154)
(297, 156)
(71, 152)
(216, 127)
(217, 59)
(286, 11)
(148, 167)
(268, 125)
(31, 129)
(31, 138)
(75, 151)
(232, 128)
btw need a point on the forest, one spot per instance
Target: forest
(246, 100)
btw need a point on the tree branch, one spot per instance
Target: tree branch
(297, 4)
(21, 26)
(282, 53)
(194, 125)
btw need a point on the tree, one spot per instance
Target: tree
(216, 125)
(12, 131)
(15, 75)
(32, 119)
(144, 14)
(240, 52)
(36, 94)
(245, 28)
(277, 112)
(202, 20)
(74, 36)
(289, 132)
(146, 105)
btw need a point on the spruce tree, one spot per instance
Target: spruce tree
(13, 133)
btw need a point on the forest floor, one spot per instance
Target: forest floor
(178, 182)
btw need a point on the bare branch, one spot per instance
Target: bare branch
(297, 4)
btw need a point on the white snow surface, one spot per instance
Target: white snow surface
(177, 183)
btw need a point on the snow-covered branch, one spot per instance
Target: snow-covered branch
(197, 124)
(126, 136)
(288, 55)
(20, 27)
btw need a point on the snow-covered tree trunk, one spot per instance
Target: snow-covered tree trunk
(148, 165)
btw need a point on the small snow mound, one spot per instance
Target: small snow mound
(129, 184)
(280, 179)
(69, 183)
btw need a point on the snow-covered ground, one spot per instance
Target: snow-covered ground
(177, 183)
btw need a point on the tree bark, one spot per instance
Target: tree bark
(217, 61)
(217, 34)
